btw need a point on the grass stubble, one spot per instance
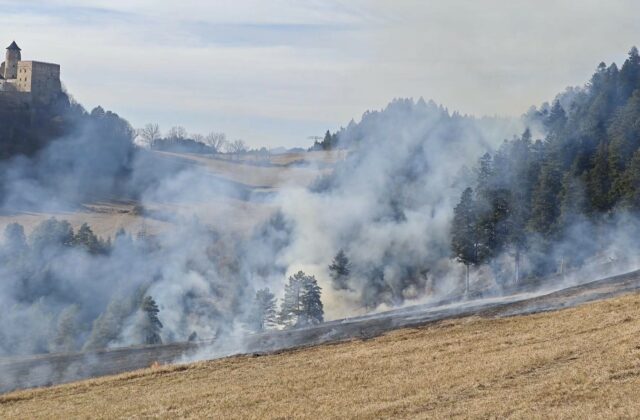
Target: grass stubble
(582, 362)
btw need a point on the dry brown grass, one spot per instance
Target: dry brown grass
(107, 216)
(582, 362)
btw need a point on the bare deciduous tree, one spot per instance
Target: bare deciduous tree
(237, 147)
(149, 134)
(217, 141)
(177, 133)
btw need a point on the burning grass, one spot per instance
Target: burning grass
(579, 362)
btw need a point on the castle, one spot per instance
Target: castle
(28, 81)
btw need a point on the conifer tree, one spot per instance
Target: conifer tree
(151, 325)
(523, 179)
(65, 335)
(327, 142)
(107, 327)
(630, 74)
(464, 237)
(52, 232)
(340, 270)
(544, 202)
(599, 181)
(87, 239)
(631, 184)
(263, 312)
(15, 241)
(572, 204)
(312, 308)
(485, 175)
(291, 307)
(302, 304)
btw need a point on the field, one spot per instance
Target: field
(106, 215)
(577, 362)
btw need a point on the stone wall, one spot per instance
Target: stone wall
(41, 79)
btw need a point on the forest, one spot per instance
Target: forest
(34, 278)
(568, 187)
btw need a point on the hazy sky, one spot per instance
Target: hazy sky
(274, 72)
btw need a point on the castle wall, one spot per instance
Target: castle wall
(41, 79)
(27, 82)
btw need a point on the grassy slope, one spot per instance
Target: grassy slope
(107, 216)
(580, 362)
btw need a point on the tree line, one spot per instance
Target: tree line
(30, 257)
(177, 139)
(530, 194)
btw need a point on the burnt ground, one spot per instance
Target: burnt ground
(49, 369)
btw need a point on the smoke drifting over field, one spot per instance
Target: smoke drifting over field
(387, 205)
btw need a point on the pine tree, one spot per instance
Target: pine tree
(523, 180)
(464, 238)
(64, 340)
(302, 303)
(544, 201)
(340, 270)
(52, 232)
(557, 119)
(291, 307)
(151, 325)
(312, 308)
(631, 185)
(263, 312)
(485, 174)
(15, 241)
(326, 143)
(107, 327)
(599, 181)
(624, 133)
(630, 74)
(87, 239)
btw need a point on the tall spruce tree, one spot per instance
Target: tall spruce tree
(291, 307)
(312, 308)
(630, 74)
(64, 339)
(263, 311)
(631, 185)
(464, 235)
(150, 324)
(340, 270)
(302, 304)
(544, 202)
(85, 238)
(108, 326)
(15, 241)
(522, 176)
(599, 180)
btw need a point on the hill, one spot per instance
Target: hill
(578, 362)
(108, 213)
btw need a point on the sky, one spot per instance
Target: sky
(273, 73)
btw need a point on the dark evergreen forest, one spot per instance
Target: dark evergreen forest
(569, 187)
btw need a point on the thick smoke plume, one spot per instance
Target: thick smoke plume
(388, 205)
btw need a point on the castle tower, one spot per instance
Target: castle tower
(11, 61)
